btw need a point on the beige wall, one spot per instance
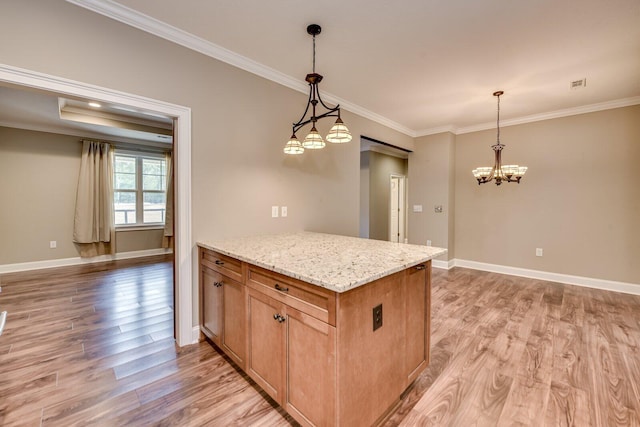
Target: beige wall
(381, 167)
(240, 122)
(38, 182)
(579, 201)
(139, 240)
(364, 194)
(431, 183)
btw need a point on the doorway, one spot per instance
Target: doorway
(383, 185)
(26, 79)
(397, 208)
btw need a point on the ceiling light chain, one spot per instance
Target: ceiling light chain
(508, 173)
(338, 133)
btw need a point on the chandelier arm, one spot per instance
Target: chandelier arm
(337, 107)
(297, 125)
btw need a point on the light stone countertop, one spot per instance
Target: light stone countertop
(338, 263)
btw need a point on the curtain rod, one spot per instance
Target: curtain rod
(131, 146)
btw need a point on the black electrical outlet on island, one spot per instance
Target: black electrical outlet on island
(377, 316)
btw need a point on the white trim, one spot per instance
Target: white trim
(65, 262)
(195, 335)
(182, 150)
(146, 23)
(607, 285)
(437, 263)
(436, 130)
(618, 103)
(443, 264)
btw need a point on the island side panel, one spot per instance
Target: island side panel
(418, 315)
(371, 363)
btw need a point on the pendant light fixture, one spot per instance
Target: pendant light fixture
(508, 173)
(313, 141)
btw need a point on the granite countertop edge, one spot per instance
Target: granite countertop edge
(326, 279)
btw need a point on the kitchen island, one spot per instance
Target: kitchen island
(333, 328)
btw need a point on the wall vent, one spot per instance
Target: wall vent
(578, 84)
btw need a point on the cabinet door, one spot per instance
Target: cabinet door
(266, 327)
(311, 369)
(211, 308)
(234, 336)
(418, 313)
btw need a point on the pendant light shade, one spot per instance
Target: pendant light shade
(339, 133)
(313, 141)
(293, 146)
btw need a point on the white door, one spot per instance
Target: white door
(396, 209)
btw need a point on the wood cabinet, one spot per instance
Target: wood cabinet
(211, 312)
(223, 305)
(266, 348)
(292, 356)
(313, 350)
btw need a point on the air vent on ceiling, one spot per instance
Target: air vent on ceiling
(578, 84)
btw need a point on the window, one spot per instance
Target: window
(139, 189)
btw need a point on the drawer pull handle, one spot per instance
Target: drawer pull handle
(279, 317)
(218, 284)
(218, 262)
(421, 267)
(281, 289)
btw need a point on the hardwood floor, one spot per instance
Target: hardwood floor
(93, 345)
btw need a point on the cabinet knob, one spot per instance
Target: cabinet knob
(279, 317)
(218, 262)
(218, 284)
(281, 289)
(421, 267)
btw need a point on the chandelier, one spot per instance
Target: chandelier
(499, 172)
(313, 141)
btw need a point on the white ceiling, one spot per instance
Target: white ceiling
(420, 66)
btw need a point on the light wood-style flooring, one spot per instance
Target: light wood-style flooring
(93, 345)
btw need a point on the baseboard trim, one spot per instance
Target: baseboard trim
(195, 334)
(444, 265)
(65, 262)
(588, 282)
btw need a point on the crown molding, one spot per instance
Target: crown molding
(133, 18)
(591, 108)
(436, 130)
(146, 23)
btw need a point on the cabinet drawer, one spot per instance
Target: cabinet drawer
(313, 300)
(223, 264)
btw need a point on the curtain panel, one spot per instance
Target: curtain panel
(94, 230)
(168, 239)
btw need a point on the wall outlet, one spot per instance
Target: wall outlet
(53, 244)
(274, 211)
(283, 211)
(428, 242)
(538, 251)
(377, 317)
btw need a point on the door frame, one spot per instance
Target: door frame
(183, 248)
(402, 205)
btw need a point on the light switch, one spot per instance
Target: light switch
(283, 211)
(274, 212)
(417, 208)
(53, 244)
